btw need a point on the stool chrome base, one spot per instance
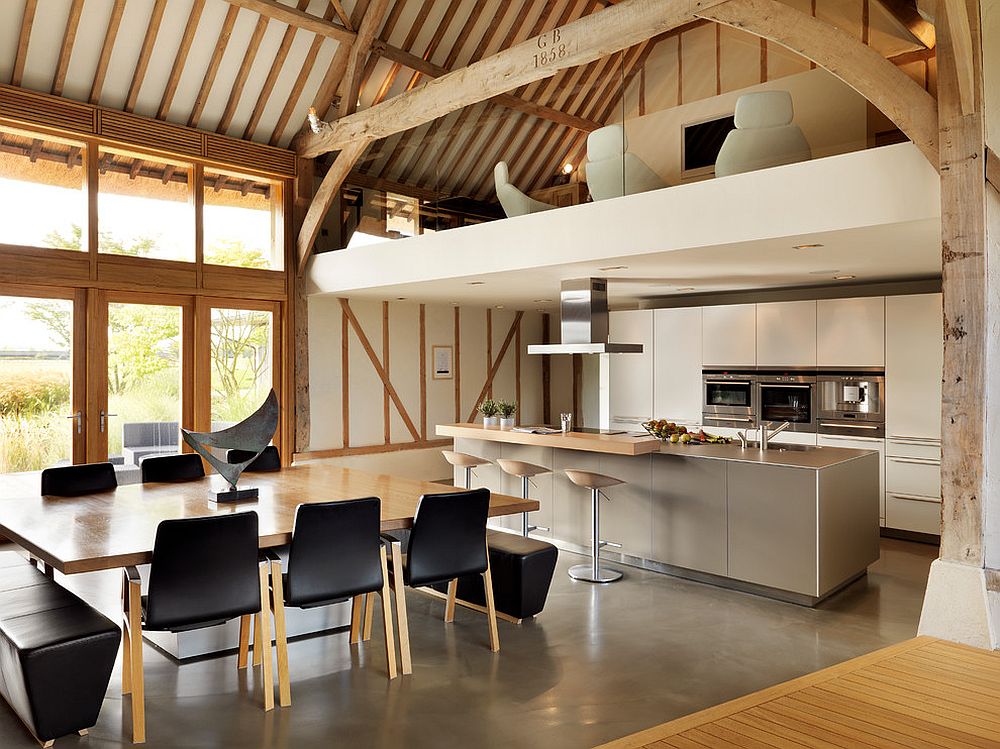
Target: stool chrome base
(585, 572)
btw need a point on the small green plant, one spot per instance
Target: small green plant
(507, 409)
(489, 408)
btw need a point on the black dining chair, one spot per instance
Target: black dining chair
(72, 481)
(167, 468)
(336, 553)
(269, 460)
(448, 541)
(204, 572)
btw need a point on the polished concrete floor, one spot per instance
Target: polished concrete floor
(599, 663)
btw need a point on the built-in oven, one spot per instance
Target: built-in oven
(729, 399)
(852, 403)
(787, 396)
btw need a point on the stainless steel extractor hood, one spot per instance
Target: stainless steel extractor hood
(583, 308)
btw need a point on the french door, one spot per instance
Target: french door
(89, 375)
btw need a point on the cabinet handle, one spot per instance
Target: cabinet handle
(851, 426)
(916, 497)
(917, 461)
(630, 419)
(728, 382)
(908, 438)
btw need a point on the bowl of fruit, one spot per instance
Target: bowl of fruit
(668, 431)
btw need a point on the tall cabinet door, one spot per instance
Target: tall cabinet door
(630, 376)
(851, 332)
(914, 360)
(730, 336)
(677, 365)
(786, 334)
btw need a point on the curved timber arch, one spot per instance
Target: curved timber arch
(902, 100)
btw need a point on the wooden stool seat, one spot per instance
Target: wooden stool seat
(520, 468)
(463, 460)
(590, 480)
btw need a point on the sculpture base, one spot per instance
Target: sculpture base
(235, 495)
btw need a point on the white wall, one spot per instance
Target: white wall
(365, 390)
(832, 115)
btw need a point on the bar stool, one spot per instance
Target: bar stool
(523, 471)
(466, 461)
(593, 572)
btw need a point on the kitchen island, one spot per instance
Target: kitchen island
(793, 522)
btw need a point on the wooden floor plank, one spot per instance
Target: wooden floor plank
(921, 694)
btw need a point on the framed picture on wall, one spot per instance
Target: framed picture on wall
(442, 361)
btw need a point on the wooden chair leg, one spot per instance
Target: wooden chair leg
(491, 610)
(399, 593)
(357, 612)
(244, 651)
(280, 635)
(257, 645)
(263, 633)
(366, 634)
(135, 660)
(390, 644)
(126, 644)
(84, 732)
(449, 607)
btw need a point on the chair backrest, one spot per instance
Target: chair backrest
(334, 552)
(764, 136)
(269, 460)
(71, 481)
(448, 539)
(513, 201)
(180, 467)
(204, 571)
(613, 171)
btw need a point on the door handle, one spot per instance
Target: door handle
(104, 417)
(79, 421)
(917, 461)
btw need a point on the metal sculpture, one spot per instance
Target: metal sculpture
(253, 434)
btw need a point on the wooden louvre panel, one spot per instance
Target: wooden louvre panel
(140, 131)
(252, 155)
(50, 111)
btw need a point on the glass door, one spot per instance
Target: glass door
(41, 418)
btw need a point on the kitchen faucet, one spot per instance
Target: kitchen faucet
(766, 433)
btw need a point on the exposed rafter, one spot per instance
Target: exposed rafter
(907, 15)
(180, 58)
(961, 43)
(114, 22)
(27, 21)
(367, 31)
(66, 50)
(295, 17)
(585, 39)
(145, 52)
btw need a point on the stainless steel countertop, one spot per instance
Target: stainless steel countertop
(790, 456)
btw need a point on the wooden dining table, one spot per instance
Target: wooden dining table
(114, 529)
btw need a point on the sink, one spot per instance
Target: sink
(781, 448)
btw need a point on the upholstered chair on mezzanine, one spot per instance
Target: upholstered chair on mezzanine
(172, 468)
(336, 554)
(72, 481)
(513, 201)
(447, 541)
(612, 170)
(204, 572)
(764, 136)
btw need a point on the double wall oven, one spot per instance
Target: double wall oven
(729, 398)
(787, 396)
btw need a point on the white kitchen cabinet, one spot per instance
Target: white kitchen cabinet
(677, 388)
(786, 334)
(851, 332)
(862, 443)
(914, 360)
(916, 514)
(630, 376)
(729, 336)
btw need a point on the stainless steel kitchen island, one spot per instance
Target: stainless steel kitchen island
(794, 523)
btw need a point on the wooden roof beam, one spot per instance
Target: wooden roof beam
(180, 58)
(367, 32)
(581, 41)
(145, 53)
(300, 19)
(961, 43)
(27, 21)
(114, 22)
(66, 50)
(906, 14)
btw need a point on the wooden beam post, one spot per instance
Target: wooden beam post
(367, 32)
(294, 17)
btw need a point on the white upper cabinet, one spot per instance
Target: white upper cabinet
(786, 334)
(851, 332)
(677, 364)
(914, 362)
(729, 336)
(630, 376)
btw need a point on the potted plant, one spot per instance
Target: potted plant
(507, 410)
(489, 409)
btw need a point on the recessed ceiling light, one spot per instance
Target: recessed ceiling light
(401, 299)
(844, 277)
(499, 306)
(476, 283)
(614, 267)
(543, 301)
(806, 246)
(823, 272)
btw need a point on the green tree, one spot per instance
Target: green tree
(140, 247)
(233, 252)
(240, 361)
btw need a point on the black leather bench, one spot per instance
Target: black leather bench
(56, 652)
(522, 571)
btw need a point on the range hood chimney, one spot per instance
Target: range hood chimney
(583, 309)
